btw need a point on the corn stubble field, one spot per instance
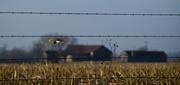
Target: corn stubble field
(85, 73)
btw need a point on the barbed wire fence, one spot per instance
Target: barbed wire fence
(89, 36)
(161, 36)
(51, 81)
(95, 59)
(60, 13)
(3, 81)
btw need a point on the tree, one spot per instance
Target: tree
(39, 46)
(3, 51)
(17, 53)
(178, 55)
(113, 47)
(143, 48)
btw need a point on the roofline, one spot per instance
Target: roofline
(141, 51)
(86, 45)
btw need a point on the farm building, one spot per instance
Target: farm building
(88, 52)
(143, 56)
(52, 56)
(56, 56)
(80, 53)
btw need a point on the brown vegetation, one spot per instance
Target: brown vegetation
(85, 73)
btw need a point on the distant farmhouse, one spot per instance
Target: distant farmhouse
(52, 56)
(80, 53)
(88, 52)
(143, 56)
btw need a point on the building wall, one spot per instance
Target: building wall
(124, 57)
(132, 57)
(147, 59)
(52, 56)
(101, 54)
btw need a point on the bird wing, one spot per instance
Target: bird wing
(51, 41)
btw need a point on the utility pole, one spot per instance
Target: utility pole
(146, 44)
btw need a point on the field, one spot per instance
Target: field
(85, 73)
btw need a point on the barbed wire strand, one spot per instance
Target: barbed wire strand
(2, 36)
(93, 78)
(60, 13)
(86, 58)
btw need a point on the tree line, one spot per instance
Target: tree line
(37, 48)
(36, 51)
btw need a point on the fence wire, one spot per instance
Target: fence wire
(98, 78)
(57, 79)
(101, 60)
(58, 13)
(84, 58)
(54, 81)
(2, 36)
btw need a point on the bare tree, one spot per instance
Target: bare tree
(39, 46)
(113, 47)
(143, 48)
(17, 53)
(3, 51)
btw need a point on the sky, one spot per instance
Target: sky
(26, 24)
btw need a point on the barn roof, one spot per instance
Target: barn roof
(146, 53)
(83, 49)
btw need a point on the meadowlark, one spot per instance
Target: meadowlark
(54, 41)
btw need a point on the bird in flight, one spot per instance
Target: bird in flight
(53, 41)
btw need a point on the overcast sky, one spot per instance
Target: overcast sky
(25, 24)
